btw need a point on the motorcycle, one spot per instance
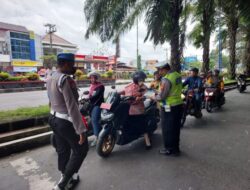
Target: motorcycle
(85, 107)
(213, 99)
(241, 83)
(116, 128)
(189, 106)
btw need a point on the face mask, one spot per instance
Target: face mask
(140, 83)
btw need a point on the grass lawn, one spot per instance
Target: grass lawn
(23, 113)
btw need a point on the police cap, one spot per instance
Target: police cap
(66, 57)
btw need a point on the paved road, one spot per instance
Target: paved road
(10, 101)
(215, 156)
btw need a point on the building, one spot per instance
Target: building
(150, 66)
(95, 63)
(19, 49)
(59, 45)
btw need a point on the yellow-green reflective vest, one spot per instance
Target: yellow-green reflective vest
(174, 96)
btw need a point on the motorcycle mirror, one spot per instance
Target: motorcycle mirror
(113, 87)
(86, 92)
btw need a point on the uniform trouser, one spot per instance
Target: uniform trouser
(171, 124)
(70, 153)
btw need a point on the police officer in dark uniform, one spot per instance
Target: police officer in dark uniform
(66, 121)
(170, 101)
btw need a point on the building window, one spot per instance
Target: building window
(20, 45)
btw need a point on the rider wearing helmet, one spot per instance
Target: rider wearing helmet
(194, 82)
(96, 97)
(136, 112)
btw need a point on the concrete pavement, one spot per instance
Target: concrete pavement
(215, 156)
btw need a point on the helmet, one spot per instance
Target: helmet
(139, 76)
(194, 69)
(94, 73)
(217, 71)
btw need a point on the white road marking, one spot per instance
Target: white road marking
(30, 170)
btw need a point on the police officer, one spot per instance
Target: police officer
(171, 109)
(66, 121)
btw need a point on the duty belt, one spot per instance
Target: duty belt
(61, 115)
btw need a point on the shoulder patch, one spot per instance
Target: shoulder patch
(61, 80)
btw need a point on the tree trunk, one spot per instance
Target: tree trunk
(247, 54)
(174, 41)
(232, 31)
(205, 56)
(183, 32)
(207, 24)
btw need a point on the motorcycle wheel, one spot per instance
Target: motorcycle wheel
(53, 140)
(209, 107)
(105, 144)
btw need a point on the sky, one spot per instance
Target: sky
(71, 24)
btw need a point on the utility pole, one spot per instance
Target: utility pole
(51, 28)
(138, 57)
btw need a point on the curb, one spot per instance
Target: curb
(24, 144)
(23, 124)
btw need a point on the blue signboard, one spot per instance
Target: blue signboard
(190, 59)
(32, 46)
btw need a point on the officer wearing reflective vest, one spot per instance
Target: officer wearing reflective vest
(66, 121)
(171, 105)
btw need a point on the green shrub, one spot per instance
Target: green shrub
(78, 74)
(33, 76)
(15, 78)
(109, 74)
(150, 76)
(4, 76)
(83, 77)
(104, 75)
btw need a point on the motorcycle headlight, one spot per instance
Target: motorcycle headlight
(210, 94)
(206, 93)
(106, 116)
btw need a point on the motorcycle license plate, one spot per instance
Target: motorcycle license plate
(105, 106)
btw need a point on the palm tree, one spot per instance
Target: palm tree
(204, 13)
(245, 26)
(232, 13)
(111, 18)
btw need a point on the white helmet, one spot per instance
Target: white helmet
(94, 73)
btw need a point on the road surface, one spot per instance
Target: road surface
(10, 101)
(215, 156)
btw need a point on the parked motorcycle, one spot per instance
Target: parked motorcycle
(85, 107)
(117, 129)
(213, 99)
(189, 106)
(241, 83)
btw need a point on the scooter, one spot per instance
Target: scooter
(85, 107)
(189, 106)
(241, 83)
(116, 125)
(213, 99)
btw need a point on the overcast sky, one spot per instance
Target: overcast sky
(71, 24)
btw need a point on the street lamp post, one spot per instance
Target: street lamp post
(51, 28)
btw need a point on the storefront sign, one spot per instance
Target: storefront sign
(26, 63)
(25, 69)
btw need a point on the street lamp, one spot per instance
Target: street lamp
(51, 28)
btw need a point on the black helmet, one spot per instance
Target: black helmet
(217, 71)
(139, 76)
(194, 69)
